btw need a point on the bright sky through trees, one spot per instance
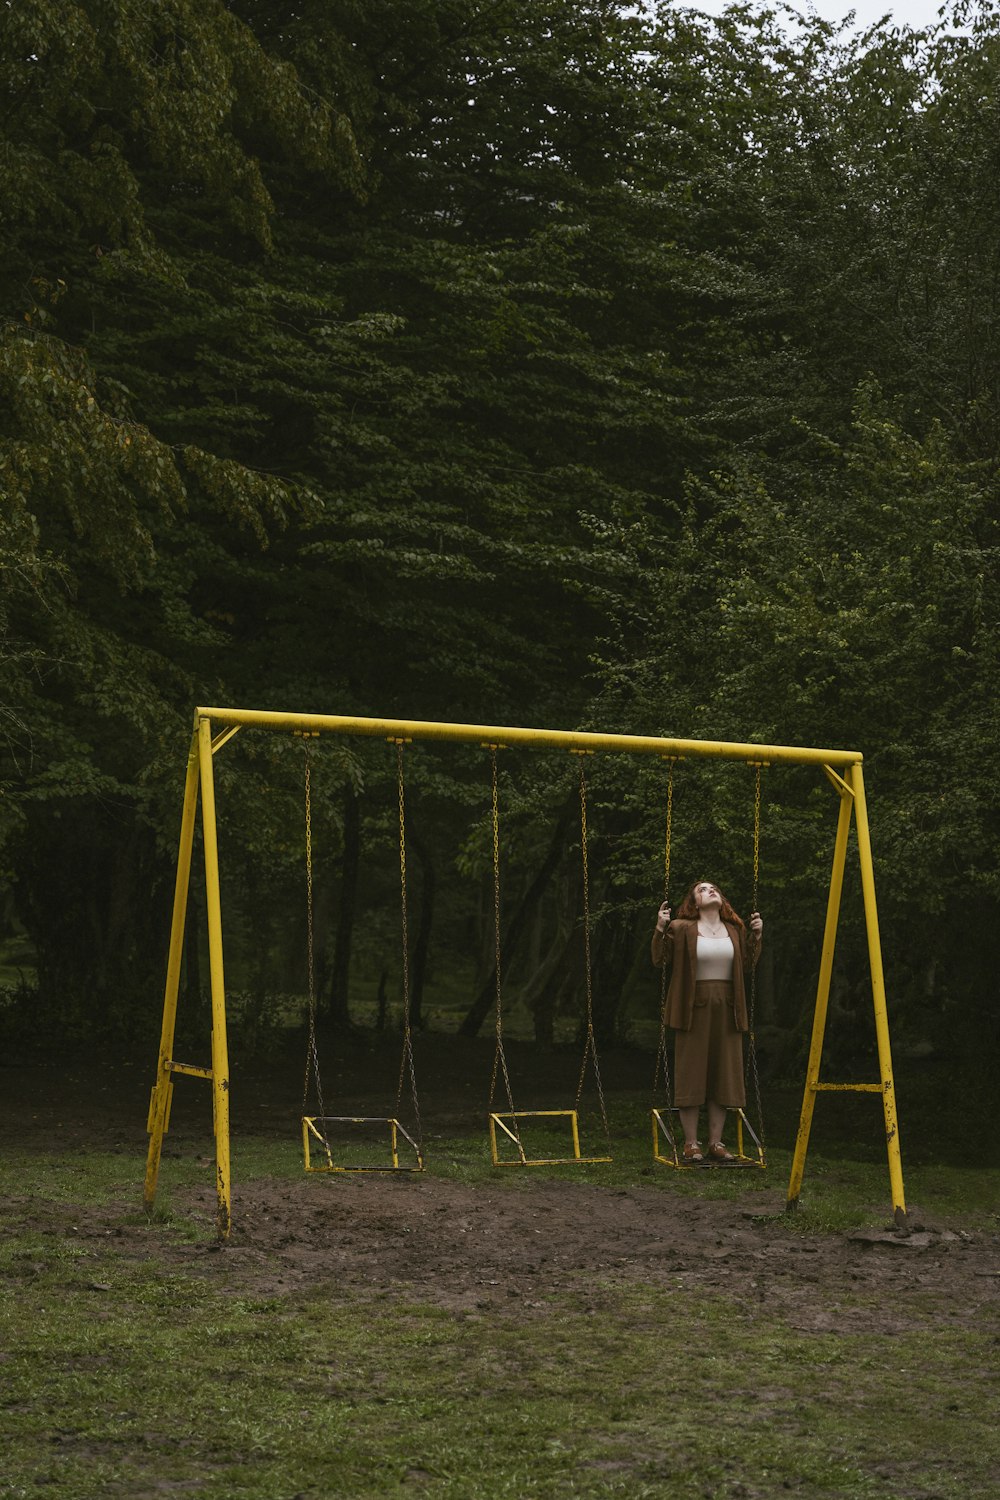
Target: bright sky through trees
(914, 13)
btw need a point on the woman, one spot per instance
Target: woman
(707, 950)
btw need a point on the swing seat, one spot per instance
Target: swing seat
(663, 1137)
(313, 1131)
(498, 1122)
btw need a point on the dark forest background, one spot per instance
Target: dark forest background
(533, 362)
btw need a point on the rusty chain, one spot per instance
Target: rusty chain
(590, 1047)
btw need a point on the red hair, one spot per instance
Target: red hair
(688, 909)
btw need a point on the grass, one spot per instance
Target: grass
(143, 1381)
(124, 1375)
(846, 1183)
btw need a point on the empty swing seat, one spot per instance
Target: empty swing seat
(499, 1122)
(314, 1134)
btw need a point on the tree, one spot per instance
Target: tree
(110, 112)
(848, 600)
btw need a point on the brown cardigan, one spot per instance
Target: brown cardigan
(678, 949)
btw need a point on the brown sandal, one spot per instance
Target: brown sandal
(692, 1151)
(718, 1152)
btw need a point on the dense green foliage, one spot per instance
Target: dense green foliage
(522, 362)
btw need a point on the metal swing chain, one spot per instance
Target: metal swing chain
(407, 1056)
(752, 1048)
(590, 1049)
(499, 1056)
(312, 1052)
(662, 1053)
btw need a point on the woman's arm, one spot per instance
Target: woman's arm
(662, 947)
(755, 939)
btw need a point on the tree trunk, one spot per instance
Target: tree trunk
(518, 924)
(101, 951)
(552, 973)
(418, 968)
(338, 1007)
(611, 961)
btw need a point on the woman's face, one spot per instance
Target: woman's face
(707, 894)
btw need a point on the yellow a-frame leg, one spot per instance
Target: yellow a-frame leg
(159, 1108)
(199, 776)
(852, 800)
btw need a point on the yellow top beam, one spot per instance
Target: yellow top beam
(565, 739)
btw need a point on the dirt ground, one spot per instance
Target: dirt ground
(479, 1247)
(466, 1250)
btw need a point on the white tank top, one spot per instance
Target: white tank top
(715, 958)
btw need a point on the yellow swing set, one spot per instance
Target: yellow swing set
(214, 728)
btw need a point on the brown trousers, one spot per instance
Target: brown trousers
(708, 1059)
